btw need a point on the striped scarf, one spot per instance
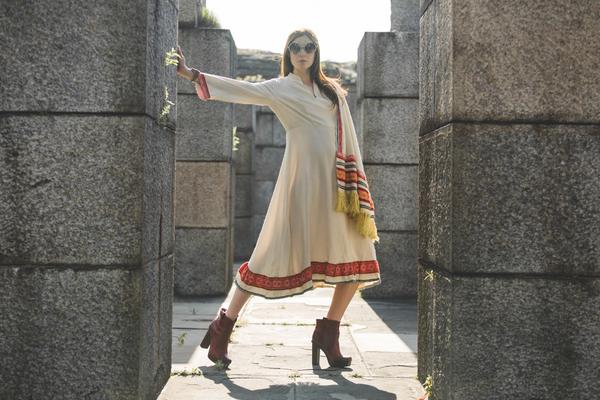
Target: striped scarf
(353, 196)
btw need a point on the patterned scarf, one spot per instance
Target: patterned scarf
(353, 196)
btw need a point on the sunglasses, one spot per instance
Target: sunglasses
(309, 48)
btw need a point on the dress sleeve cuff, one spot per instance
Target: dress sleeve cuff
(202, 87)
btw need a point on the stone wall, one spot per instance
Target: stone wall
(509, 217)
(204, 189)
(387, 102)
(86, 199)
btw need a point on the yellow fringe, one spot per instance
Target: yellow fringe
(366, 226)
(348, 203)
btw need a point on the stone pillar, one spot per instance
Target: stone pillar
(388, 92)
(86, 199)
(405, 16)
(509, 210)
(190, 13)
(242, 159)
(205, 177)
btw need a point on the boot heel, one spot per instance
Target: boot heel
(206, 341)
(316, 354)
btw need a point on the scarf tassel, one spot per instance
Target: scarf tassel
(348, 202)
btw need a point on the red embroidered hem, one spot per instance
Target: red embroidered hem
(294, 281)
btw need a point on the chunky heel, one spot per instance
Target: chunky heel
(316, 354)
(217, 338)
(326, 338)
(206, 341)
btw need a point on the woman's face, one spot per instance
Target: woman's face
(303, 60)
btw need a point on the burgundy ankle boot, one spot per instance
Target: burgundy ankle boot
(217, 336)
(326, 338)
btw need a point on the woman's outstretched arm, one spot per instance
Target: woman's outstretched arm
(222, 88)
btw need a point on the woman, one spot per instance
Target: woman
(305, 241)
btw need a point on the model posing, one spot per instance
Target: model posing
(319, 229)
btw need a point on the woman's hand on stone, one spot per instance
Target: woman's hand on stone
(182, 69)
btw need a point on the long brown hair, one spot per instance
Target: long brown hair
(327, 85)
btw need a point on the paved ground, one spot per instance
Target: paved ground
(271, 351)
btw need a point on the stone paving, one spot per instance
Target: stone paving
(271, 351)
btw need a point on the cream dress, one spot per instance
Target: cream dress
(304, 243)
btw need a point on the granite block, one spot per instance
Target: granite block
(201, 261)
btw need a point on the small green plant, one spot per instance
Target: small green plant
(240, 323)
(294, 374)
(171, 58)
(220, 365)
(166, 108)
(236, 139)
(273, 344)
(194, 372)
(428, 385)
(356, 375)
(208, 19)
(181, 339)
(429, 275)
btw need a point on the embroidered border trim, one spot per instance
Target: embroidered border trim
(316, 267)
(202, 87)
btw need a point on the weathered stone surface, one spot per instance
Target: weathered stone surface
(221, 386)
(394, 192)
(435, 197)
(119, 318)
(257, 223)
(202, 260)
(267, 162)
(435, 67)
(203, 194)
(271, 340)
(85, 190)
(204, 130)
(242, 238)
(279, 138)
(242, 157)
(263, 192)
(190, 12)
(390, 130)
(405, 15)
(243, 195)
(156, 319)
(352, 106)
(511, 198)
(388, 65)
(543, 68)
(263, 129)
(94, 80)
(209, 50)
(397, 256)
(515, 314)
(435, 318)
(243, 116)
(158, 232)
(165, 323)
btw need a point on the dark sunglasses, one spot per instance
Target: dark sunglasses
(309, 48)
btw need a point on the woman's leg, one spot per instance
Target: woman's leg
(342, 295)
(238, 300)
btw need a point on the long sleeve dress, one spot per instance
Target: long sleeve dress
(304, 242)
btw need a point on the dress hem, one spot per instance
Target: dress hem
(374, 281)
